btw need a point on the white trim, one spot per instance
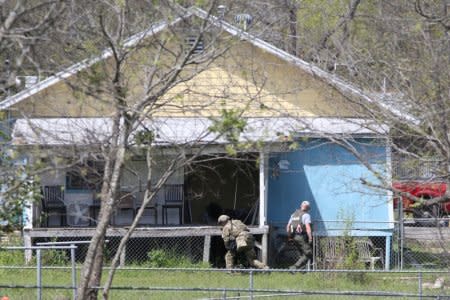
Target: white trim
(262, 190)
(27, 214)
(169, 131)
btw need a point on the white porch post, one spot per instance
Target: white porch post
(27, 214)
(262, 189)
(27, 219)
(263, 159)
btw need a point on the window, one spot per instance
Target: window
(190, 42)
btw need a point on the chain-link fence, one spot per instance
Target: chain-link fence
(406, 245)
(341, 245)
(197, 283)
(163, 251)
(374, 255)
(363, 245)
(424, 244)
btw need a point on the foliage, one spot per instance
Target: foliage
(54, 257)
(144, 137)
(350, 260)
(17, 189)
(170, 259)
(11, 257)
(231, 124)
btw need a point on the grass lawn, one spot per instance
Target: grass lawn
(144, 280)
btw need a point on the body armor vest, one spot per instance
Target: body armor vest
(296, 220)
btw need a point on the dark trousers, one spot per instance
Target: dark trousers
(304, 248)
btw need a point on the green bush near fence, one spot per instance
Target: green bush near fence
(49, 257)
(11, 258)
(53, 257)
(170, 259)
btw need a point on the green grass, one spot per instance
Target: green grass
(209, 279)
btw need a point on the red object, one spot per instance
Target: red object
(426, 190)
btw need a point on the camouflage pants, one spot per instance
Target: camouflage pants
(304, 247)
(250, 257)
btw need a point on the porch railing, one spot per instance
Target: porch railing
(405, 168)
(80, 208)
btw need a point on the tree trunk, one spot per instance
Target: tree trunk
(91, 270)
(92, 293)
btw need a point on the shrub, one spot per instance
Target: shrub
(11, 257)
(53, 257)
(160, 258)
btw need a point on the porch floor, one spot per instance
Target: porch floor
(166, 231)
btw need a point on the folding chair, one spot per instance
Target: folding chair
(53, 206)
(173, 204)
(367, 253)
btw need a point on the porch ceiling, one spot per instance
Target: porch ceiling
(189, 131)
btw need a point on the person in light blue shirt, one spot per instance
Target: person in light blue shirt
(299, 230)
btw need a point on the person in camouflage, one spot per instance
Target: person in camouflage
(233, 232)
(299, 230)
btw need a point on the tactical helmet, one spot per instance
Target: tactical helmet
(223, 219)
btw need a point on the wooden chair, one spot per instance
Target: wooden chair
(125, 212)
(150, 214)
(53, 206)
(94, 211)
(172, 209)
(334, 253)
(367, 253)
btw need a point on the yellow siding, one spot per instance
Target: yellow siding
(60, 100)
(247, 78)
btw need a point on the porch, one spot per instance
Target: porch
(198, 243)
(196, 194)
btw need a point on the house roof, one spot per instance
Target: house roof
(84, 64)
(329, 78)
(170, 131)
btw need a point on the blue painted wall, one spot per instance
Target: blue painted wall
(328, 176)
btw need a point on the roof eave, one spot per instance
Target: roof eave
(80, 66)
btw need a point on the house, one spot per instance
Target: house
(292, 110)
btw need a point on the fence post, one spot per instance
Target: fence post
(39, 274)
(420, 285)
(123, 256)
(206, 248)
(401, 231)
(27, 243)
(264, 246)
(74, 271)
(251, 284)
